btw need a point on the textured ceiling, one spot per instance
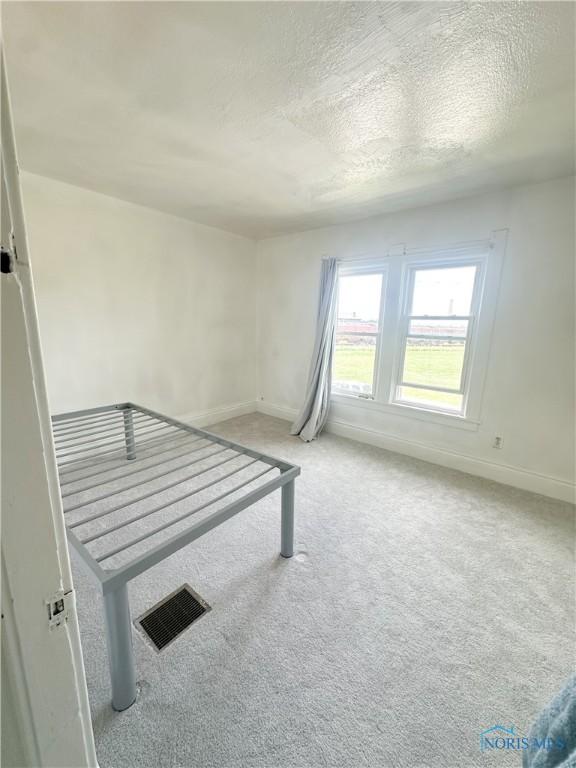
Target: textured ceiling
(268, 117)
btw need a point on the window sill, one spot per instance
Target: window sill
(408, 411)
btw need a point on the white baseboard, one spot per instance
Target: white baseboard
(214, 415)
(501, 473)
(288, 414)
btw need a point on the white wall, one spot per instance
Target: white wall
(135, 304)
(138, 305)
(529, 392)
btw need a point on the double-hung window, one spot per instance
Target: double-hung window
(437, 334)
(413, 330)
(358, 330)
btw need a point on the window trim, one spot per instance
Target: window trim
(406, 410)
(492, 252)
(411, 267)
(368, 268)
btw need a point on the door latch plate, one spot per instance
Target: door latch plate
(57, 607)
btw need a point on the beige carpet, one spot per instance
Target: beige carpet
(422, 606)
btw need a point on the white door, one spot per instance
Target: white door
(45, 713)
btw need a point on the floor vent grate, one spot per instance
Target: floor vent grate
(166, 621)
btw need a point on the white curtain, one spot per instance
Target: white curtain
(314, 412)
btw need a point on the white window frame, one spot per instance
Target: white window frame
(395, 266)
(411, 268)
(371, 267)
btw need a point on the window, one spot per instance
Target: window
(357, 332)
(413, 331)
(436, 336)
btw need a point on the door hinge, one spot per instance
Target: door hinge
(9, 255)
(7, 261)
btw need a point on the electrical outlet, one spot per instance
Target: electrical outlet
(497, 442)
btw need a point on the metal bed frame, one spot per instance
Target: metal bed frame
(93, 445)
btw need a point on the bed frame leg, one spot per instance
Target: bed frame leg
(120, 652)
(287, 537)
(129, 433)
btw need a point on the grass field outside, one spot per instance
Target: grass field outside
(438, 365)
